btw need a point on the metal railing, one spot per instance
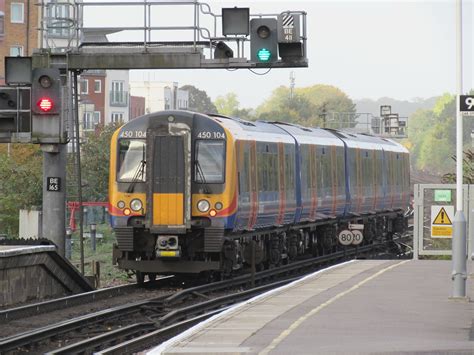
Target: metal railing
(67, 18)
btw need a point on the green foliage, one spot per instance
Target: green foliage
(432, 136)
(95, 155)
(110, 275)
(199, 101)
(317, 105)
(20, 183)
(229, 105)
(468, 169)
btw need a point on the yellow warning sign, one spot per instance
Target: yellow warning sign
(441, 231)
(442, 218)
(441, 221)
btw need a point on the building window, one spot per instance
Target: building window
(97, 86)
(17, 12)
(16, 51)
(84, 86)
(59, 20)
(96, 117)
(118, 97)
(117, 117)
(88, 121)
(2, 23)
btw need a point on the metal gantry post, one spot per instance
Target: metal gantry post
(459, 272)
(77, 141)
(54, 198)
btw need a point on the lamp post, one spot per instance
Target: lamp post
(459, 252)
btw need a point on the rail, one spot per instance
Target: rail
(165, 310)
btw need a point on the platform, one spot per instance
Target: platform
(36, 272)
(364, 306)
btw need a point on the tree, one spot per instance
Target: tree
(468, 169)
(317, 105)
(199, 101)
(95, 156)
(432, 136)
(298, 109)
(229, 105)
(20, 183)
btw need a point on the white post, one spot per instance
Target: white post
(459, 252)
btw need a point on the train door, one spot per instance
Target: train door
(169, 181)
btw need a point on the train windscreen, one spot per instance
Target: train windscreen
(209, 162)
(131, 160)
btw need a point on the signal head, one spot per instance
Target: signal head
(45, 104)
(263, 32)
(45, 81)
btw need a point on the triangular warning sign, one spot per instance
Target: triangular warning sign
(442, 218)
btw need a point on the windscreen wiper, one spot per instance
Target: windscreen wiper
(139, 172)
(202, 178)
(137, 176)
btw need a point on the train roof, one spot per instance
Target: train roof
(288, 132)
(367, 141)
(279, 131)
(258, 130)
(309, 135)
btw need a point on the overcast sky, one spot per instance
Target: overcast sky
(369, 49)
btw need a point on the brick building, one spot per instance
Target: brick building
(137, 106)
(92, 99)
(19, 35)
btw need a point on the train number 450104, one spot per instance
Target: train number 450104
(211, 135)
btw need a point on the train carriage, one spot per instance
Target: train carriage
(190, 192)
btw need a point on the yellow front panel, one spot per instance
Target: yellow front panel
(168, 209)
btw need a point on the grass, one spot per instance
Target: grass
(110, 275)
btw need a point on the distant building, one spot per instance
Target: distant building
(92, 99)
(19, 35)
(137, 106)
(112, 104)
(160, 95)
(117, 96)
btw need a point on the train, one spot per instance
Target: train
(206, 194)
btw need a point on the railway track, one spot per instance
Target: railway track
(136, 326)
(69, 301)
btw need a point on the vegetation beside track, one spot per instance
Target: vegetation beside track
(110, 275)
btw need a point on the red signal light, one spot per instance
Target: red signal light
(45, 104)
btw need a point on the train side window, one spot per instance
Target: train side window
(210, 161)
(290, 171)
(131, 160)
(244, 177)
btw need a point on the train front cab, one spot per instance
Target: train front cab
(188, 194)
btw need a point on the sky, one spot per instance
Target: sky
(368, 49)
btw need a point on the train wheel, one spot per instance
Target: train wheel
(140, 277)
(152, 277)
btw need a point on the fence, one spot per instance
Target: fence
(435, 206)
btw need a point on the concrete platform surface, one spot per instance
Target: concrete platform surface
(359, 307)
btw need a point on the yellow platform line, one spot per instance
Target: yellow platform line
(300, 320)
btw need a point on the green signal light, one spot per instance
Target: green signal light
(264, 55)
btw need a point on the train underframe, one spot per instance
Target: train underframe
(214, 252)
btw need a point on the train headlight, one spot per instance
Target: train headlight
(203, 206)
(136, 205)
(121, 204)
(218, 205)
